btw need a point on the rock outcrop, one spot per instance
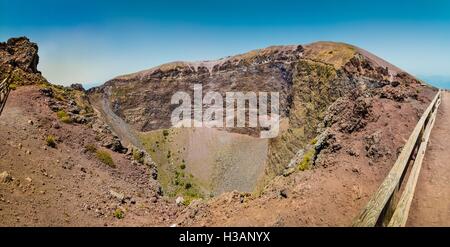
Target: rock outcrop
(20, 53)
(19, 57)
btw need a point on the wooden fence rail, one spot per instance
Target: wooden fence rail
(384, 208)
(4, 92)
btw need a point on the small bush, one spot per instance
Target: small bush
(16, 77)
(60, 114)
(138, 155)
(118, 213)
(307, 158)
(188, 185)
(105, 158)
(183, 166)
(64, 117)
(12, 86)
(165, 133)
(190, 194)
(51, 142)
(91, 148)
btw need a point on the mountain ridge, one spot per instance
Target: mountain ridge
(211, 63)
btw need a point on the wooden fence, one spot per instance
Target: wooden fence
(4, 92)
(387, 207)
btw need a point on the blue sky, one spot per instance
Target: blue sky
(93, 41)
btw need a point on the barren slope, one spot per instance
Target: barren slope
(66, 185)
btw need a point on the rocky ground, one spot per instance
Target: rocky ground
(66, 183)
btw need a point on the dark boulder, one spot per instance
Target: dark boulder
(114, 144)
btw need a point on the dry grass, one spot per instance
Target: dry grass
(51, 142)
(105, 158)
(336, 54)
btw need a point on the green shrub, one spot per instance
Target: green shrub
(66, 120)
(60, 114)
(51, 142)
(118, 213)
(16, 77)
(188, 185)
(190, 194)
(63, 116)
(307, 158)
(91, 148)
(105, 158)
(138, 155)
(12, 86)
(165, 133)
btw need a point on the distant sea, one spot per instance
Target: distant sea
(442, 85)
(91, 85)
(437, 81)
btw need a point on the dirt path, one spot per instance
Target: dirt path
(431, 203)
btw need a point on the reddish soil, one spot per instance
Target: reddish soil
(65, 186)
